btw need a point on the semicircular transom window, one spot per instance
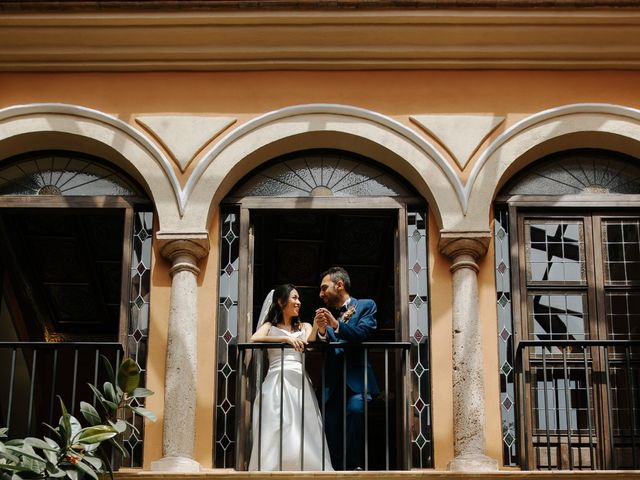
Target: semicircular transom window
(64, 174)
(322, 174)
(579, 172)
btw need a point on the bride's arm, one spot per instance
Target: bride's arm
(311, 332)
(262, 335)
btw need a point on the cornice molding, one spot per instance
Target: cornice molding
(321, 40)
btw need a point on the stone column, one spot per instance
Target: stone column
(464, 249)
(178, 436)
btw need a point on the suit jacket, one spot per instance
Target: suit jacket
(355, 329)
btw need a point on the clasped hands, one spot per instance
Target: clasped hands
(324, 319)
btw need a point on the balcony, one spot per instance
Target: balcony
(386, 425)
(579, 404)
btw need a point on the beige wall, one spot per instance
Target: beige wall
(398, 95)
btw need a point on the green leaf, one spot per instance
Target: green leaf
(141, 392)
(13, 468)
(108, 368)
(27, 452)
(96, 434)
(90, 414)
(95, 462)
(72, 473)
(119, 447)
(88, 469)
(65, 423)
(3, 432)
(54, 430)
(4, 453)
(106, 461)
(128, 375)
(145, 413)
(120, 425)
(110, 392)
(37, 443)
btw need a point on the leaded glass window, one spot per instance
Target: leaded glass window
(419, 333)
(65, 174)
(579, 286)
(578, 172)
(323, 174)
(225, 436)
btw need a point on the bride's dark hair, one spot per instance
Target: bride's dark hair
(278, 302)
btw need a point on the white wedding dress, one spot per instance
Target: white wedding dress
(297, 445)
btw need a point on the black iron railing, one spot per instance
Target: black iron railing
(34, 374)
(385, 416)
(580, 403)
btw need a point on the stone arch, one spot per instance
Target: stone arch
(602, 126)
(322, 126)
(33, 127)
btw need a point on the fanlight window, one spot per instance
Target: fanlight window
(322, 174)
(577, 172)
(61, 174)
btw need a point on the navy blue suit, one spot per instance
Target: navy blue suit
(356, 329)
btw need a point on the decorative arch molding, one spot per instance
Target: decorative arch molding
(585, 125)
(302, 127)
(55, 125)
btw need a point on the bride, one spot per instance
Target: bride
(279, 323)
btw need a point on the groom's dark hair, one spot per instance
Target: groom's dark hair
(338, 273)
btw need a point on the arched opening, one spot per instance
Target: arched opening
(290, 220)
(75, 235)
(568, 279)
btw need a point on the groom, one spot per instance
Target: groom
(345, 320)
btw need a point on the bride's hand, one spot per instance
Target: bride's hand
(296, 343)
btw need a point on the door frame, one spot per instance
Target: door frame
(245, 282)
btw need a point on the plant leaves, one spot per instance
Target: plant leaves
(145, 413)
(41, 444)
(108, 368)
(90, 414)
(95, 462)
(128, 376)
(110, 392)
(96, 434)
(120, 448)
(120, 425)
(72, 473)
(88, 469)
(141, 392)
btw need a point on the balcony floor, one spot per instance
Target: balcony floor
(224, 474)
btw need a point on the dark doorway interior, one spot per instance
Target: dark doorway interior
(296, 246)
(61, 281)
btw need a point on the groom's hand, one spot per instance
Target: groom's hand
(327, 317)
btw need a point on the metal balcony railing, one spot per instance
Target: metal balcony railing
(579, 404)
(34, 374)
(385, 416)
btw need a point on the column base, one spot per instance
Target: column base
(473, 462)
(175, 464)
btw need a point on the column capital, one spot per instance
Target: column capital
(174, 244)
(456, 243)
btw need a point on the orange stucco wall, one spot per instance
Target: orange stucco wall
(245, 95)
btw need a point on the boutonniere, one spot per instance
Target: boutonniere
(349, 313)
